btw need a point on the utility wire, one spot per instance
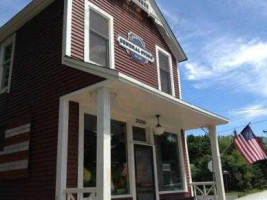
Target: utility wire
(229, 89)
(256, 122)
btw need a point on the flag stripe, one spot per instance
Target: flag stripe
(250, 149)
(242, 151)
(247, 153)
(239, 146)
(251, 142)
(256, 145)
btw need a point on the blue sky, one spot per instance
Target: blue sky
(226, 45)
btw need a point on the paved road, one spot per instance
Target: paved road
(256, 196)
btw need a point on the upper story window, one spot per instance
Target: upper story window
(99, 45)
(165, 72)
(6, 62)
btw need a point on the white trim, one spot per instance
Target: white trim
(16, 165)
(81, 147)
(188, 162)
(67, 28)
(88, 6)
(103, 163)
(159, 49)
(18, 130)
(83, 111)
(216, 157)
(179, 83)
(131, 160)
(62, 149)
(182, 166)
(21, 18)
(24, 146)
(12, 41)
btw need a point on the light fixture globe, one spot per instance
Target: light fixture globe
(159, 130)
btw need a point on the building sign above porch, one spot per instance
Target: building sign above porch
(135, 47)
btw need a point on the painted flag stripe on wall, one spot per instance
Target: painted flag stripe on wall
(14, 159)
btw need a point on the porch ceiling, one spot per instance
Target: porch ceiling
(138, 102)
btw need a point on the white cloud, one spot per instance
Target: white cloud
(249, 112)
(232, 62)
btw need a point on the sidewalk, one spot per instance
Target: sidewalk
(256, 196)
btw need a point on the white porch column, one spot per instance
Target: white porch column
(103, 145)
(217, 162)
(62, 149)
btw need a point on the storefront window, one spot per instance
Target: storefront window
(169, 176)
(139, 134)
(119, 164)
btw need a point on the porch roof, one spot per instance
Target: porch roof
(143, 102)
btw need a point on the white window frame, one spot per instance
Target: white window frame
(88, 6)
(181, 165)
(159, 49)
(6, 43)
(82, 112)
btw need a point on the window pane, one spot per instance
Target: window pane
(7, 53)
(2, 138)
(139, 134)
(5, 75)
(164, 61)
(165, 82)
(99, 24)
(169, 175)
(119, 163)
(99, 48)
(89, 176)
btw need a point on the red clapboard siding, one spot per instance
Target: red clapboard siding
(126, 19)
(38, 81)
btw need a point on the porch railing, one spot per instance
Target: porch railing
(205, 190)
(80, 193)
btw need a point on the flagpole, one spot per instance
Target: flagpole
(228, 147)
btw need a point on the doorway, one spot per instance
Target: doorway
(144, 172)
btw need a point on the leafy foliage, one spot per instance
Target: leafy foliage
(240, 176)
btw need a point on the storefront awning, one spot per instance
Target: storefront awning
(142, 102)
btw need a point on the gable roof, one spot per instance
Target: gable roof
(36, 6)
(168, 34)
(152, 9)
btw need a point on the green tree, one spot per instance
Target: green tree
(241, 175)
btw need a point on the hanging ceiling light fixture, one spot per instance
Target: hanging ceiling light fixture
(159, 130)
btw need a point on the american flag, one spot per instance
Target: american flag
(250, 146)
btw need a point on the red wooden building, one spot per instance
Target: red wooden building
(91, 105)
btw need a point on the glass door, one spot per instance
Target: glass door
(144, 171)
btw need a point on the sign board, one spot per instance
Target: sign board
(135, 47)
(210, 166)
(166, 167)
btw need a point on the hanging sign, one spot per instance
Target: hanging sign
(135, 47)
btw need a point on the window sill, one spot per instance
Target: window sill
(172, 192)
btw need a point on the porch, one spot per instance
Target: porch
(118, 154)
